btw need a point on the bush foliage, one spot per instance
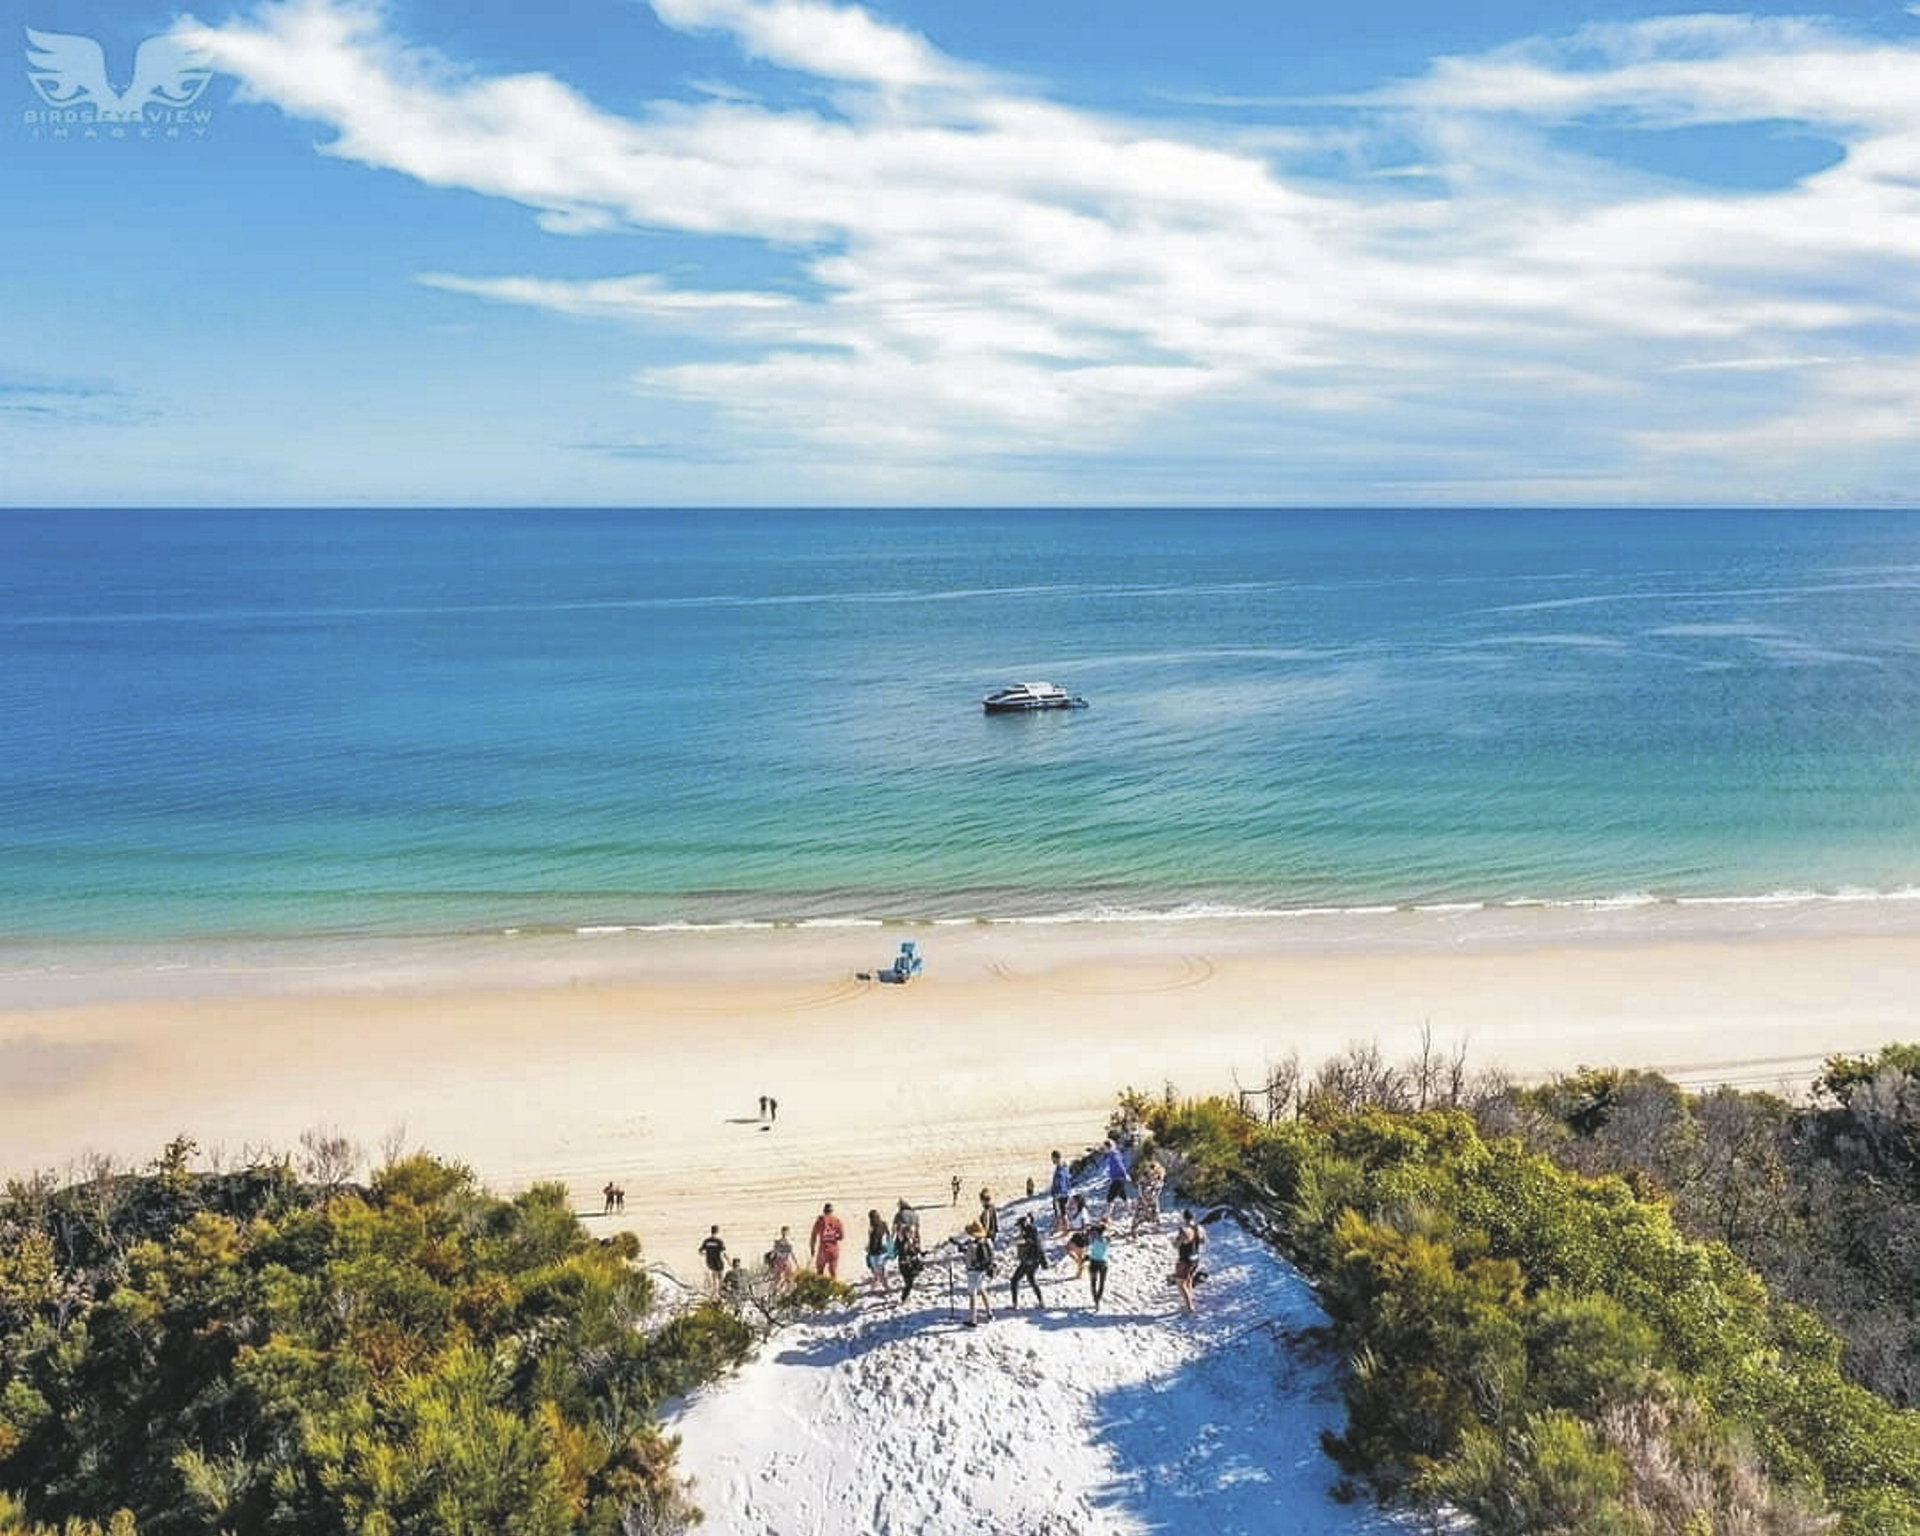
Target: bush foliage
(250, 1352)
(1545, 1342)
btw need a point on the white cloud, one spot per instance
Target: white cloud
(633, 298)
(975, 270)
(834, 42)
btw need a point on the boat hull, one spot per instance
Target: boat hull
(1029, 706)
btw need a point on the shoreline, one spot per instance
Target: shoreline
(640, 1056)
(78, 972)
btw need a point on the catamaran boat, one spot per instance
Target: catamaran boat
(1020, 697)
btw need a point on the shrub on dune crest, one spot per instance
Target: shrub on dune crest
(1545, 1351)
(224, 1352)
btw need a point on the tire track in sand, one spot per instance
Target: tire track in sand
(1194, 971)
(843, 992)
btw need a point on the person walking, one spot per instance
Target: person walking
(977, 1253)
(715, 1253)
(908, 1255)
(1029, 1254)
(780, 1260)
(1149, 1179)
(1097, 1261)
(1187, 1243)
(1060, 1186)
(823, 1244)
(989, 1217)
(879, 1248)
(1080, 1235)
(956, 1190)
(906, 1224)
(1114, 1165)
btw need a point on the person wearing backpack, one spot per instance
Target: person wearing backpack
(1028, 1255)
(978, 1253)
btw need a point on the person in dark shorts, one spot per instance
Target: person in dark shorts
(1114, 1165)
(1097, 1261)
(715, 1253)
(1028, 1257)
(1187, 1243)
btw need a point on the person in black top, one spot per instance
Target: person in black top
(715, 1253)
(906, 1248)
(977, 1251)
(1028, 1256)
(1187, 1243)
(989, 1217)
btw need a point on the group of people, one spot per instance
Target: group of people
(896, 1242)
(1088, 1235)
(725, 1277)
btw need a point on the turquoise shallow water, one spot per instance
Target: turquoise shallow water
(231, 724)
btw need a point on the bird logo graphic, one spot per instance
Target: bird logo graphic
(70, 70)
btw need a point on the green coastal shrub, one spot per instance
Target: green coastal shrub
(209, 1353)
(1545, 1350)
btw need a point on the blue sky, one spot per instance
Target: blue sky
(778, 251)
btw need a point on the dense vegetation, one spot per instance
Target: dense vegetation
(1823, 1199)
(1549, 1328)
(252, 1351)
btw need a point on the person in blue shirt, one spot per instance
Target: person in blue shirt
(1061, 1188)
(1115, 1166)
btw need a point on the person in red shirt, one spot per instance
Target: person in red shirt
(825, 1242)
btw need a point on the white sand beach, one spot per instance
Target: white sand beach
(640, 1057)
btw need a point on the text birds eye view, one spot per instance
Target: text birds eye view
(861, 769)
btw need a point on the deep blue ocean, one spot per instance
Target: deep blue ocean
(220, 724)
